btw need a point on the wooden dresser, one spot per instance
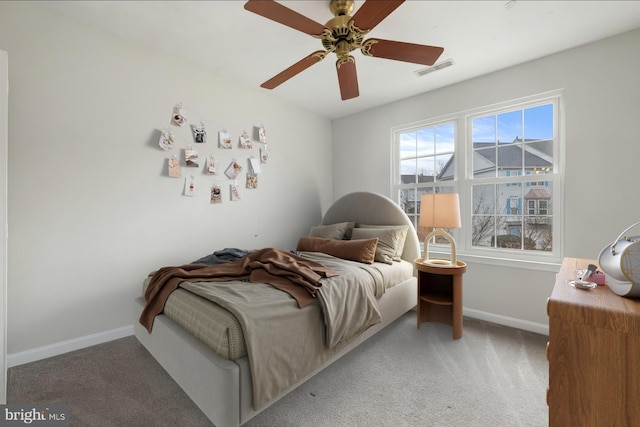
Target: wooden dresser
(593, 353)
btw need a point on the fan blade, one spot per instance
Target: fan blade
(296, 68)
(282, 14)
(372, 12)
(347, 78)
(401, 51)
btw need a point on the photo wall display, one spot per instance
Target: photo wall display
(185, 138)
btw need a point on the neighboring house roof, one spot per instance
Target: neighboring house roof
(537, 193)
(509, 157)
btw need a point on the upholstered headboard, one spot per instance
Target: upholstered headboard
(372, 208)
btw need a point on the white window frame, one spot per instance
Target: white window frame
(397, 185)
(464, 180)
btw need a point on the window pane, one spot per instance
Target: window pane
(483, 230)
(510, 127)
(538, 233)
(538, 157)
(484, 130)
(425, 141)
(408, 201)
(484, 199)
(426, 169)
(483, 214)
(509, 198)
(445, 139)
(510, 160)
(408, 171)
(407, 145)
(484, 162)
(445, 167)
(538, 122)
(509, 232)
(541, 193)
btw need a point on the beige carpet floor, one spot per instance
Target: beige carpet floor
(493, 376)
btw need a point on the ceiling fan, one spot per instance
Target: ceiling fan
(341, 35)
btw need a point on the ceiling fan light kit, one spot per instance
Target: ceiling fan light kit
(341, 35)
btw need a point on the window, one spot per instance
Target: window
(504, 162)
(425, 166)
(542, 207)
(514, 203)
(513, 142)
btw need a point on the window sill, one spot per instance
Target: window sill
(550, 265)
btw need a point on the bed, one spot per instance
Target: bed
(217, 376)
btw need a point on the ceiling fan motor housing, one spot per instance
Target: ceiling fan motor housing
(341, 35)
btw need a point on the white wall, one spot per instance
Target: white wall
(601, 87)
(91, 210)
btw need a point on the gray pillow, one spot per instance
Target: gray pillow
(401, 238)
(388, 239)
(336, 231)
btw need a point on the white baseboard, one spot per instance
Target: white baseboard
(538, 328)
(56, 349)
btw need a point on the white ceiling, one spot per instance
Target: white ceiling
(479, 36)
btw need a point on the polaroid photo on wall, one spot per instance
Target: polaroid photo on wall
(216, 194)
(212, 166)
(235, 195)
(191, 157)
(264, 155)
(233, 170)
(252, 180)
(174, 167)
(179, 116)
(166, 139)
(245, 141)
(199, 133)
(254, 165)
(190, 188)
(262, 135)
(224, 140)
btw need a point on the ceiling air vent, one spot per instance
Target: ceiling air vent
(435, 67)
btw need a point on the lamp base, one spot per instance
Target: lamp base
(439, 262)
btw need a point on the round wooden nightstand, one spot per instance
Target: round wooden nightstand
(440, 294)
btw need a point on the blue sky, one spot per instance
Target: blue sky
(530, 123)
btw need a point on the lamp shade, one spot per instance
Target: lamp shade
(440, 210)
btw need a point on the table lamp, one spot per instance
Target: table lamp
(439, 211)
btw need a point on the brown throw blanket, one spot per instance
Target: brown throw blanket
(290, 273)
